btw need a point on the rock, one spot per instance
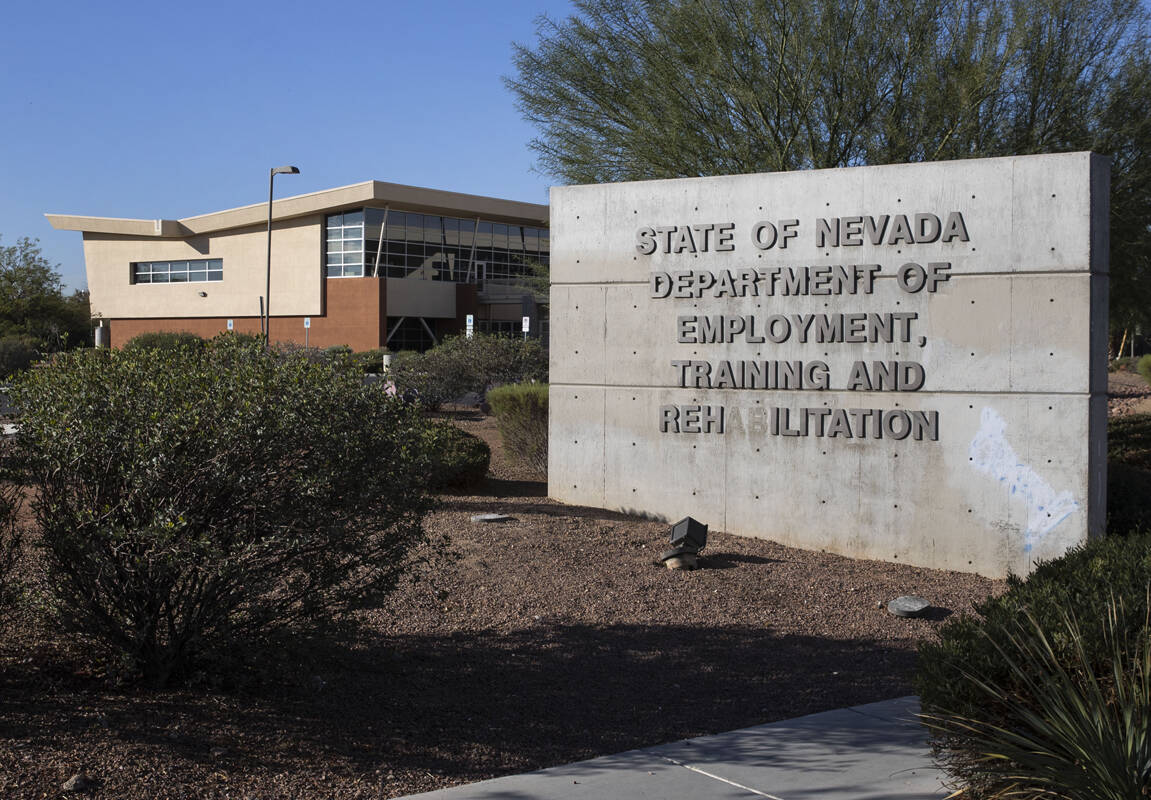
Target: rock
(78, 783)
(908, 606)
(683, 561)
(682, 557)
(490, 517)
(218, 752)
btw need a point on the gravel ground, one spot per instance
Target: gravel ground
(548, 638)
(1127, 393)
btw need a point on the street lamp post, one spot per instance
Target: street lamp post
(267, 326)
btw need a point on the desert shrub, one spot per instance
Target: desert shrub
(456, 458)
(460, 365)
(1081, 726)
(984, 672)
(165, 340)
(1144, 368)
(492, 360)
(16, 354)
(186, 499)
(521, 411)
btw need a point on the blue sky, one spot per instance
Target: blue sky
(149, 110)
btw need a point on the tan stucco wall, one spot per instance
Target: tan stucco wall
(353, 319)
(297, 273)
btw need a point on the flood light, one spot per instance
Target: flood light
(688, 537)
(689, 532)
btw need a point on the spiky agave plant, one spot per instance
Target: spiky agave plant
(1074, 729)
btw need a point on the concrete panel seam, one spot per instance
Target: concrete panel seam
(720, 778)
(790, 392)
(1016, 271)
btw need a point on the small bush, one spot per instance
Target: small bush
(16, 354)
(522, 415)
(953, 674)
(460, 365)
(1122, 364)
(456, 458)
(1144, 368)
(168, 341)
(187, 498)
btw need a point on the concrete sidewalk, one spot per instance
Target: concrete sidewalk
(872, 752)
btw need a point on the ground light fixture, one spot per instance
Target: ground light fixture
(688, 537)
(267, 320)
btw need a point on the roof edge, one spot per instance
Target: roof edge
(375, 192)
(133, 227)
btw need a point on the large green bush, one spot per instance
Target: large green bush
(522, 415)
(16, 354)
(1062, 605)
(187, 497)
(457, 459)
(165, 340)
(460, 365)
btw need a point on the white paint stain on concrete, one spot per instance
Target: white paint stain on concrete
(993, 455)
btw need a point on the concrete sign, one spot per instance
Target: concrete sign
(905, 363)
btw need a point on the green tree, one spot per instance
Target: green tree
(33, 307)
(643, 89)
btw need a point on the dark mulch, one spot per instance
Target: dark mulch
(549, 638)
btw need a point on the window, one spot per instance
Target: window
(344, 248)
(431, 247)
(196, 271)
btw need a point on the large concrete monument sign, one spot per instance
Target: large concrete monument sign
(905, 363)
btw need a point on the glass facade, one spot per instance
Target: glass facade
(195, 271)
(405, 244)
(408, 333)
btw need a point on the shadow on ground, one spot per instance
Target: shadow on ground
(471, 705)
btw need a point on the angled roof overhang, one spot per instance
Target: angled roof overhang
(368, 193)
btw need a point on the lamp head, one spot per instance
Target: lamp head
(285, 170)
(689, 533)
